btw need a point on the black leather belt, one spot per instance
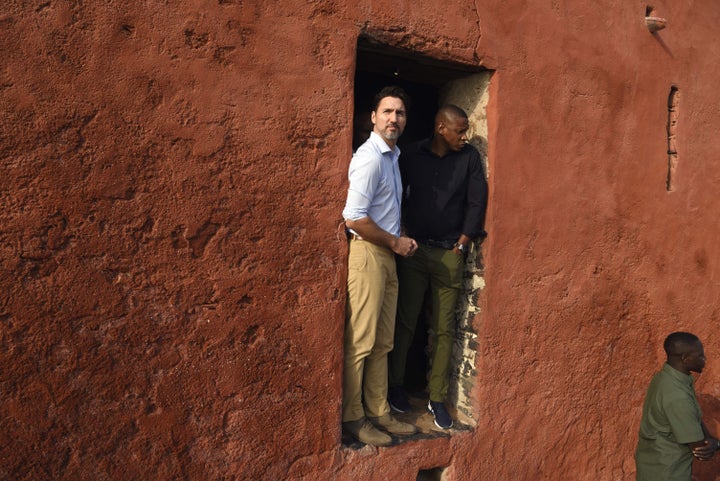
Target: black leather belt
(436, 243)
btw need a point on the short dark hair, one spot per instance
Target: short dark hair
(452, 109)
(671, 342)
(391, 91)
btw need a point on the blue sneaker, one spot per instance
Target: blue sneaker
(397, 398)
(441, 415)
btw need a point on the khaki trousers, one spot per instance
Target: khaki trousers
(372, 289)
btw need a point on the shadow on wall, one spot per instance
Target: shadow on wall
(708, 470)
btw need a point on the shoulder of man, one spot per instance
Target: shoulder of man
(470, 149)
(412, 149)
(416, 145)
(670, 387)
(474, 158)
(367, 152)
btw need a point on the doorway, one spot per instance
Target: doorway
(430, 83)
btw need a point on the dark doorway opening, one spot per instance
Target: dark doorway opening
(426, 80)
(422, 78)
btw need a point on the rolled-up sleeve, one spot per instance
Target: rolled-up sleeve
(684, 417)
(364, 176)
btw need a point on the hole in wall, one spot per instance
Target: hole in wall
(672, 151)
(434, 474)
(430, 83)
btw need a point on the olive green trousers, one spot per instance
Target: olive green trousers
(440, 271)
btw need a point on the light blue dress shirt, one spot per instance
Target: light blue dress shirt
(375, 187)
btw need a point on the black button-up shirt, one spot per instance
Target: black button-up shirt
(443, 197)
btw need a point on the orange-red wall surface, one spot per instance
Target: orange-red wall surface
(172, 176)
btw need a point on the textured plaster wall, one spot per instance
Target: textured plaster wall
(172, 176)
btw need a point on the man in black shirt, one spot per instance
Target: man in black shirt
(443, 209)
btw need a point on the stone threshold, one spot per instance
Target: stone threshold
(420, 417)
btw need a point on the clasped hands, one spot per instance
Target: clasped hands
(405, 246)
(707, 450)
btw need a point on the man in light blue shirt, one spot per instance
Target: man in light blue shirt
(375, 188)
(372, 217)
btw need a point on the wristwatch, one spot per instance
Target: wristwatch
(461, 247)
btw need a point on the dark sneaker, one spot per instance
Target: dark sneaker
(397, 398)
(441, 415)
(365, 432)
(392, 425)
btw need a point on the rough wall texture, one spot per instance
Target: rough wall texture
(172, 282)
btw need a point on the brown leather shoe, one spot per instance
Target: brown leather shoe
(392, 425)
(365, 432)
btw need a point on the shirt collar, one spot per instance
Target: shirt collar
(680, 376)
(380, 143)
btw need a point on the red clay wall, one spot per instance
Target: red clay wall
(173, 286)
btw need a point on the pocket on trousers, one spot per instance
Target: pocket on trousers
(456, 267)
(357, 259)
